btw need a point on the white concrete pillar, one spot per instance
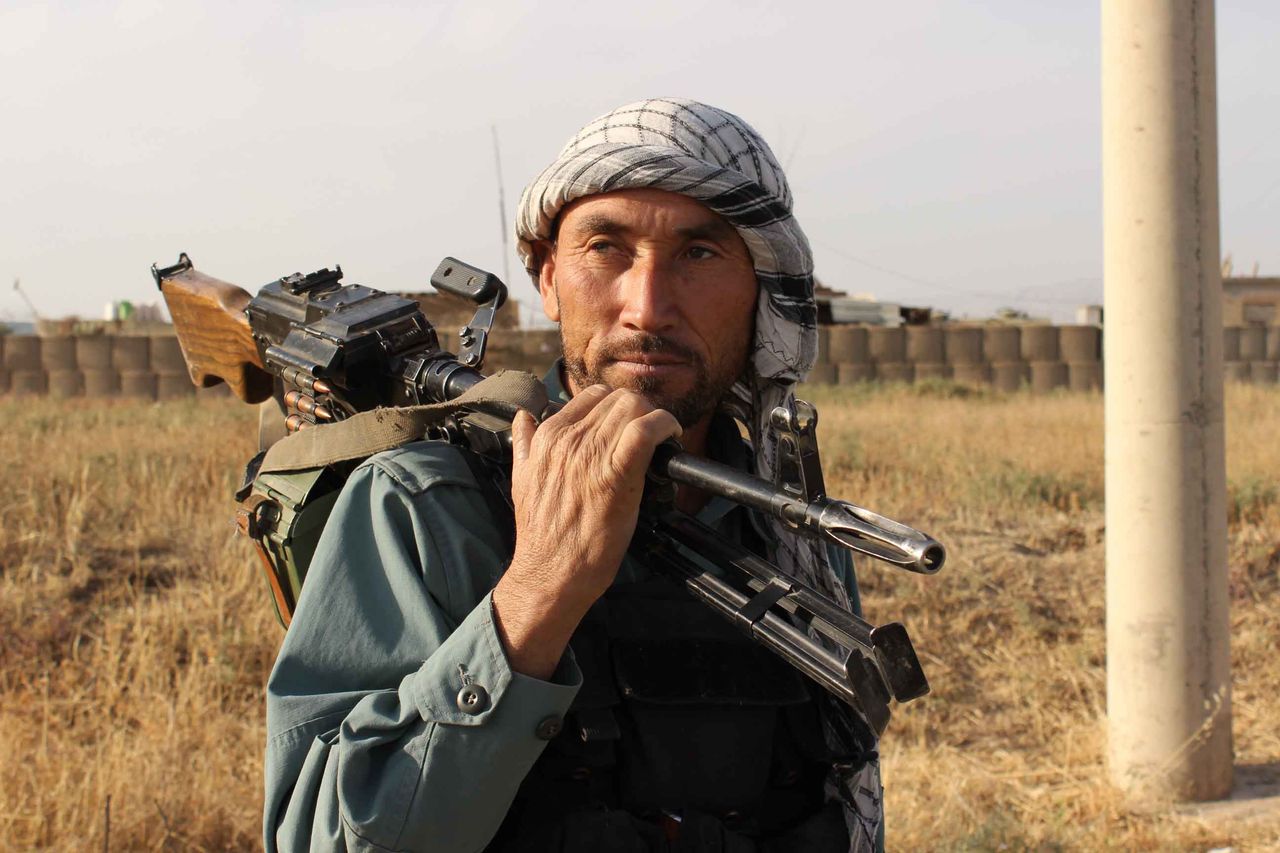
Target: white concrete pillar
(1168, 667)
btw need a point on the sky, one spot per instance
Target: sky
(941, 153)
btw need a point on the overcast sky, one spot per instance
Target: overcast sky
(942, 153)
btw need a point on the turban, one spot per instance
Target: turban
(715, 158)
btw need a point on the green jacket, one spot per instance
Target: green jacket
(371, 742)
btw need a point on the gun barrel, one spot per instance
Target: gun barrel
(839, 522)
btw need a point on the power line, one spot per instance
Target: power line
(946, 288)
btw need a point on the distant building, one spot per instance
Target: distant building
(1089, 315)
(834, 306)
(124, 311)
(1251, 300)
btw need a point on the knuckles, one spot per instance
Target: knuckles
(632, 403)
(607, 414)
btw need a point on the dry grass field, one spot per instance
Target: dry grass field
(136, 633)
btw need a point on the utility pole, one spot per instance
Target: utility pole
(1168, 663)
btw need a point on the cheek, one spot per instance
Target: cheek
(729, 320)
(582, 317)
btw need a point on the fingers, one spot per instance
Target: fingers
(626, 407)
(640, 436)
(581, 405)
(621, 425)
(589, 409)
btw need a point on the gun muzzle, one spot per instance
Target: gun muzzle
(866, 532)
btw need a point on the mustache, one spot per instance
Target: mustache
(647, 344)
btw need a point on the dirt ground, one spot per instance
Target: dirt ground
(136, 632)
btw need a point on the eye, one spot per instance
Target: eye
(701, 253)
(599, 247)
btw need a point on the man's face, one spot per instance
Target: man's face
(654, 293)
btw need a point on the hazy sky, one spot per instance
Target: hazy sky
(942, 153)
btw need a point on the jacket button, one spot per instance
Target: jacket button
(549, 728)
(473, 698)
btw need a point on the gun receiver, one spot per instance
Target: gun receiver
(332, 351)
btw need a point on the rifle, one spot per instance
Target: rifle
(330, 351)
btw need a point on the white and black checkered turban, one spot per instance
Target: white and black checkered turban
(717, 159)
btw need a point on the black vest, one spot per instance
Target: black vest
(686, 735)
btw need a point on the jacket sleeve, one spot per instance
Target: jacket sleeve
(394, 721)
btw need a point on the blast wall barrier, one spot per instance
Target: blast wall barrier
(1037, 358)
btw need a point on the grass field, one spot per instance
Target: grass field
(136, 634)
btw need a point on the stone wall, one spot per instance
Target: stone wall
(1038, 357)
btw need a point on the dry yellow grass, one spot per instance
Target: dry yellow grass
(135, 631)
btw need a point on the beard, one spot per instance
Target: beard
(688, 408)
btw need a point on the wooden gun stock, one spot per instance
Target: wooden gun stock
(213, 330)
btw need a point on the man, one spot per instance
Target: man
(442, 688)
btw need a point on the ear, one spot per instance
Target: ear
(547, 281)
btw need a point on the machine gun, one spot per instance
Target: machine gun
(330, 352)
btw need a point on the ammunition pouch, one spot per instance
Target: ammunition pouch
(283, 514)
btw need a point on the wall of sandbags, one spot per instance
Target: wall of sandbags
(143, 367)
(151, 367)
(1252, 353)
(515, 349)
(1037, 357)
(1040, 358)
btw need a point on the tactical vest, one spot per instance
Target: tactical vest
(685, 735)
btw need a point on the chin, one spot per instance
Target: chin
(689, 400)
(686, 391)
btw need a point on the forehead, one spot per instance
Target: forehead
(655, 212)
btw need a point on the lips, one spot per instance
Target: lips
(650, 359)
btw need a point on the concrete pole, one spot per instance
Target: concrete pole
(1168, 667)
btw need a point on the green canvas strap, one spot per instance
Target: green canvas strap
(367, 433)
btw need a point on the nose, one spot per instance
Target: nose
(647, 293)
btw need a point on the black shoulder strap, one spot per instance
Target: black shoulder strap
(495, 486)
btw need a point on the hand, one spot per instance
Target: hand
(576, 483)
